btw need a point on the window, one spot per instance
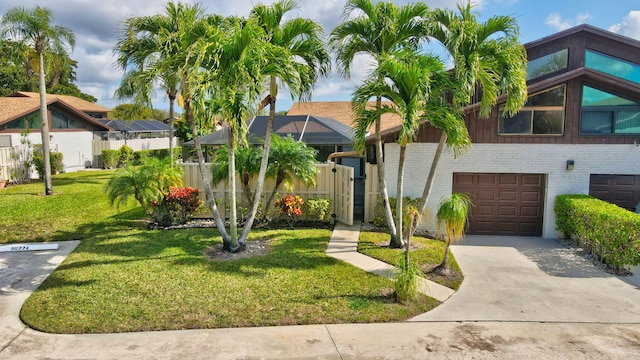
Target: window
(612, 66)
(31, 121)
(61, 121)
(606, 113)
(547, 64)
(543, 114)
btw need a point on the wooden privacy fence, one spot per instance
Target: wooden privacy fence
(7, 163)
(335, 185)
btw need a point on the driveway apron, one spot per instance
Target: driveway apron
(533, 279)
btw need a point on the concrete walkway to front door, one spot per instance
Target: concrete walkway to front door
(534, 279)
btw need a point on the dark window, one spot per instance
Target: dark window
(606, 113)
(31, 121)
(543, 114)
(61, 121)
(612, 66)
(547, 64)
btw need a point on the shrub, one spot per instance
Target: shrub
(125, 156)
(139, 157)
(378, 211)
(55, 161)
(290, 206)
(176, 206)
(406, 280)
(317, 209)
(109, 159)
(609, 232)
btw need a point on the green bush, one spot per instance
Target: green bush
(609, 232)
(316, 209)
(378, 210)
(139, 157)
(109, 159)
(55, 160)
(125, 156)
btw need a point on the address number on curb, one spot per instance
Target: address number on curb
(29, 247)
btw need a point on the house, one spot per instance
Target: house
(78, 129)
(579, 132)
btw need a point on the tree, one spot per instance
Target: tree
(299, 59)
(408, 80)
(378, 29)
(12, 70)
(452, 217)
(34, 26)
(487, 57)
(247, 165)
(173, 42)
(131, 112)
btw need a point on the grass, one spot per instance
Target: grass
(426, 253)
(123, 277)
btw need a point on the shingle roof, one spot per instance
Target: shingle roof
(76, 102)
(339, 110)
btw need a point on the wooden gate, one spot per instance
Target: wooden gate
(343, 194)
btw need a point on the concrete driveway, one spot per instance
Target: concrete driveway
(533, 279)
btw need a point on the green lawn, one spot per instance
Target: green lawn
(427, 253)
(124, 277)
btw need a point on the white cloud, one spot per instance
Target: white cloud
(629, 26)
(557, 22)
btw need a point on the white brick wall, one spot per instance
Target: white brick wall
(549, 159)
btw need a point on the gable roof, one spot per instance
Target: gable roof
(80, 104)
(341, 111)
(583, 28)
(312, 130)
(14, 107)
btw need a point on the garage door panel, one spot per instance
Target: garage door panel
(622, 190)
(503, 204)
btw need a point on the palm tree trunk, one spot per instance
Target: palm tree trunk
(399, 196)
(44, 124)
(257, 194)
(443, 268)
(432, 174)
(208, 190)
(233, 216)
(172, 99)
(382, 184)
(267, 205)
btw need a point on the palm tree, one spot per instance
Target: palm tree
(408, 80)
(299, 63)
(290, 159)
(452, 217)
(378, 29)
(487, 57)
(169, 43)
(247, 165)
(35, 27)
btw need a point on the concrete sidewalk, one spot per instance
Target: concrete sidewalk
(344, 246)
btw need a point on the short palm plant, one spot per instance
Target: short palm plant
(452, 216)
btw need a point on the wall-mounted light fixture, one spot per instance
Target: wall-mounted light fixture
(570, 165)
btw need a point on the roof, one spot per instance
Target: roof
(341, 111)
(14, 107)
(135, 126)
(583, 28)
(76, 102)
(312, 130)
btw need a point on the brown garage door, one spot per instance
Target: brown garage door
(622, 190)
(503, 204)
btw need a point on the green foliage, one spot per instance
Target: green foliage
(55, 159)
(607, 231)
(147, 183)
(290, 207)
(452, 215)
(378, 210)
(140, 157)
(176, 206)
(125, 156)
(110, 159)
(23, 159)
(131, 112)
(316, 209)
(406, 280)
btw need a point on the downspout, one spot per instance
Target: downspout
(341, 154)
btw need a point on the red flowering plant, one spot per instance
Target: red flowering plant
(176, 206)
(290, 206)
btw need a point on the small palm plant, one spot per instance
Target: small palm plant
(452, 216)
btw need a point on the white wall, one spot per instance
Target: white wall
(549, 159)
(74, 146)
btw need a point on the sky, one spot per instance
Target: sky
(97, 26)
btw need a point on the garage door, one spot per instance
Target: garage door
(503, 204)
(622, 190)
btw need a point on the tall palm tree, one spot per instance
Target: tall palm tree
(486, 57)
(378, 29)
(408, 80)
(168, 43)
(34, 26)
(300, 63)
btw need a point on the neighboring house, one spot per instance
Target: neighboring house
(78, 129)
(579, 132)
